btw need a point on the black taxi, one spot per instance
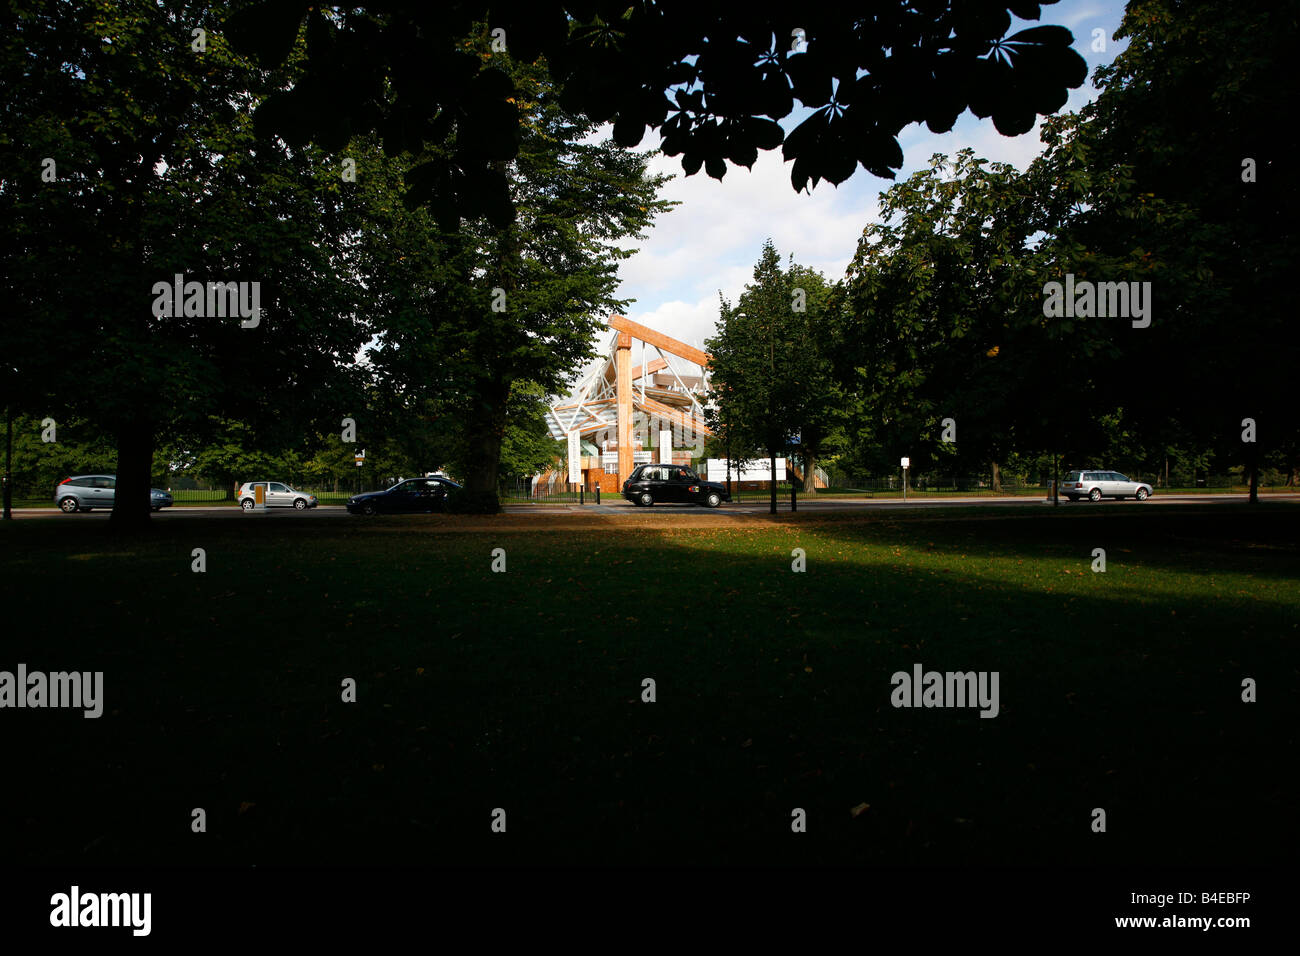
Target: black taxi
(672, 484)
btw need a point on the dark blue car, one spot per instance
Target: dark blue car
(413, 496)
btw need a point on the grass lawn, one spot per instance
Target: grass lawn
(477, 690)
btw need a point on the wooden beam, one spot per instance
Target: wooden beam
(654, 365)
(658, 339)
(623, 363)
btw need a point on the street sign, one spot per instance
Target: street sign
(666, 446)
(361, 457)
(906, 463)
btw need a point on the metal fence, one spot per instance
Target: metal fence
(923, 484)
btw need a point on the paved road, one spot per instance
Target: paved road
(618, 507)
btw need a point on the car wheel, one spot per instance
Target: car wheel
(713, 500)
(248, 504)
(1141, 494)
(299, 504)
(1094, 495)
(647, 499)
(68, 505)
(367, 508)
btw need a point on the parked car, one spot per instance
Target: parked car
(277, 495)
(413, 496)
(675, 484)
(1096, 485)
(88, 492)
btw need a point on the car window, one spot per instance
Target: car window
(101, 483)
(1072, 476)
(276, 486)
(689, 475)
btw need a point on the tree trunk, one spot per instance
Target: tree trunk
(486, 429)
(810, 472)
(135, 446)
(997, 479)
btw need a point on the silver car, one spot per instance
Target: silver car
(1096, 485)
(277, 495)
(88, 492)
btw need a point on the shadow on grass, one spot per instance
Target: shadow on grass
(522, 691)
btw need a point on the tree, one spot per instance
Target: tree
(770, 366)
(1186, 178)
(467, 314)
(129, 157)
(712, 78)
(939, 326)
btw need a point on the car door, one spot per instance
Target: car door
(105, 491)
(437, 495)
(671, 488)
(425, 495)
(401, 498)
(685, 480)
(1124, 485)
(661, 484)
(277, 495)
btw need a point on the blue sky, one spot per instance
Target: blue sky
(712, 240)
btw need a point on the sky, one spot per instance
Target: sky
(711, 241)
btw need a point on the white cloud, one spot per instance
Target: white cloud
(712, 240)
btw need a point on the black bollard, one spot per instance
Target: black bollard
(794, 497)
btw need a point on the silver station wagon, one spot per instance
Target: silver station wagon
(1096, 485)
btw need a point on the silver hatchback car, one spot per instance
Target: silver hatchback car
(88, 492)
(1095, 485)
(276, 494)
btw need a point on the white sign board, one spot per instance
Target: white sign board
(666, 447)
(906, 463)
(575, 458)
(759, 469)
